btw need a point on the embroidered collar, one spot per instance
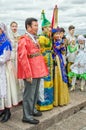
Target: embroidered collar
(32, 37)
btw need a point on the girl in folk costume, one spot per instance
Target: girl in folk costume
(61, 94)
(8, 90)
(78, 69)
(14, 37)
(45, 101)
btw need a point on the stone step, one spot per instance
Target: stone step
(77, 102)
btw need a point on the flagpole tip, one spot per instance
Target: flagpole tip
(56, 6)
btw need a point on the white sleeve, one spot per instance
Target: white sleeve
(68, 53)
(5, 56)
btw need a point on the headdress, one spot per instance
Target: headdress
(81, 37)
(4, 28)
(45, 22)
(54, 30)
(4, 40)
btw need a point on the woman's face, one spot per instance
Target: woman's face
(47, 30)
(1, 31)
(81, 41)
(14, 27)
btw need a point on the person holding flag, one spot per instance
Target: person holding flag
(45, 101)
(61, 94)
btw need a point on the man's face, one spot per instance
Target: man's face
(14, 27)
(33, 29)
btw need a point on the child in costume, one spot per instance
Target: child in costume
(71, 49)
(78, 69)
(61, 94)
(14, 37)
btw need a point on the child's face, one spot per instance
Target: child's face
(56, 36)
(61, 34)
(72, 31)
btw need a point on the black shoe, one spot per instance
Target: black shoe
(31, 121)
(2, 113)
(69, 85)
(6, 116)
(37, 113)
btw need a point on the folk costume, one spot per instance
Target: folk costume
(78, 69)
(45, 101)
(72, 50)
(8, 88)
(14, 37)
(14, 41)
(30, 64)
(61, 94)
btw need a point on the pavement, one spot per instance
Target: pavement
(57, 114)
(76, 121)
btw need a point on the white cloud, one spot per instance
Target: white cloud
(70, 11)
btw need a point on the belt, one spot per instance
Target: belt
(34, 55)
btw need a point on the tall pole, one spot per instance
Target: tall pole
(55, 17)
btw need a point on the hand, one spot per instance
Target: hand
(29, 80)
(58, 47)
(38, 45)
(78, 64)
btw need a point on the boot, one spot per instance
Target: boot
(6, 116)
(72, 88)
(82, 88)
(2, 113)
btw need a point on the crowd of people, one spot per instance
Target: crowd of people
(39, 69)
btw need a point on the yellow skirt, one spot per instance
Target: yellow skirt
(61, 93)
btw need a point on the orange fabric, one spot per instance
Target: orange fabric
(30, 67)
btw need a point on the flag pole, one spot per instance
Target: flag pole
(55, 17)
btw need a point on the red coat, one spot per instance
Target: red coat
(34, 67)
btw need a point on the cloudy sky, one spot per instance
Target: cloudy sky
(70, 12)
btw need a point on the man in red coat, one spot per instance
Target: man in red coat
(31, 68)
